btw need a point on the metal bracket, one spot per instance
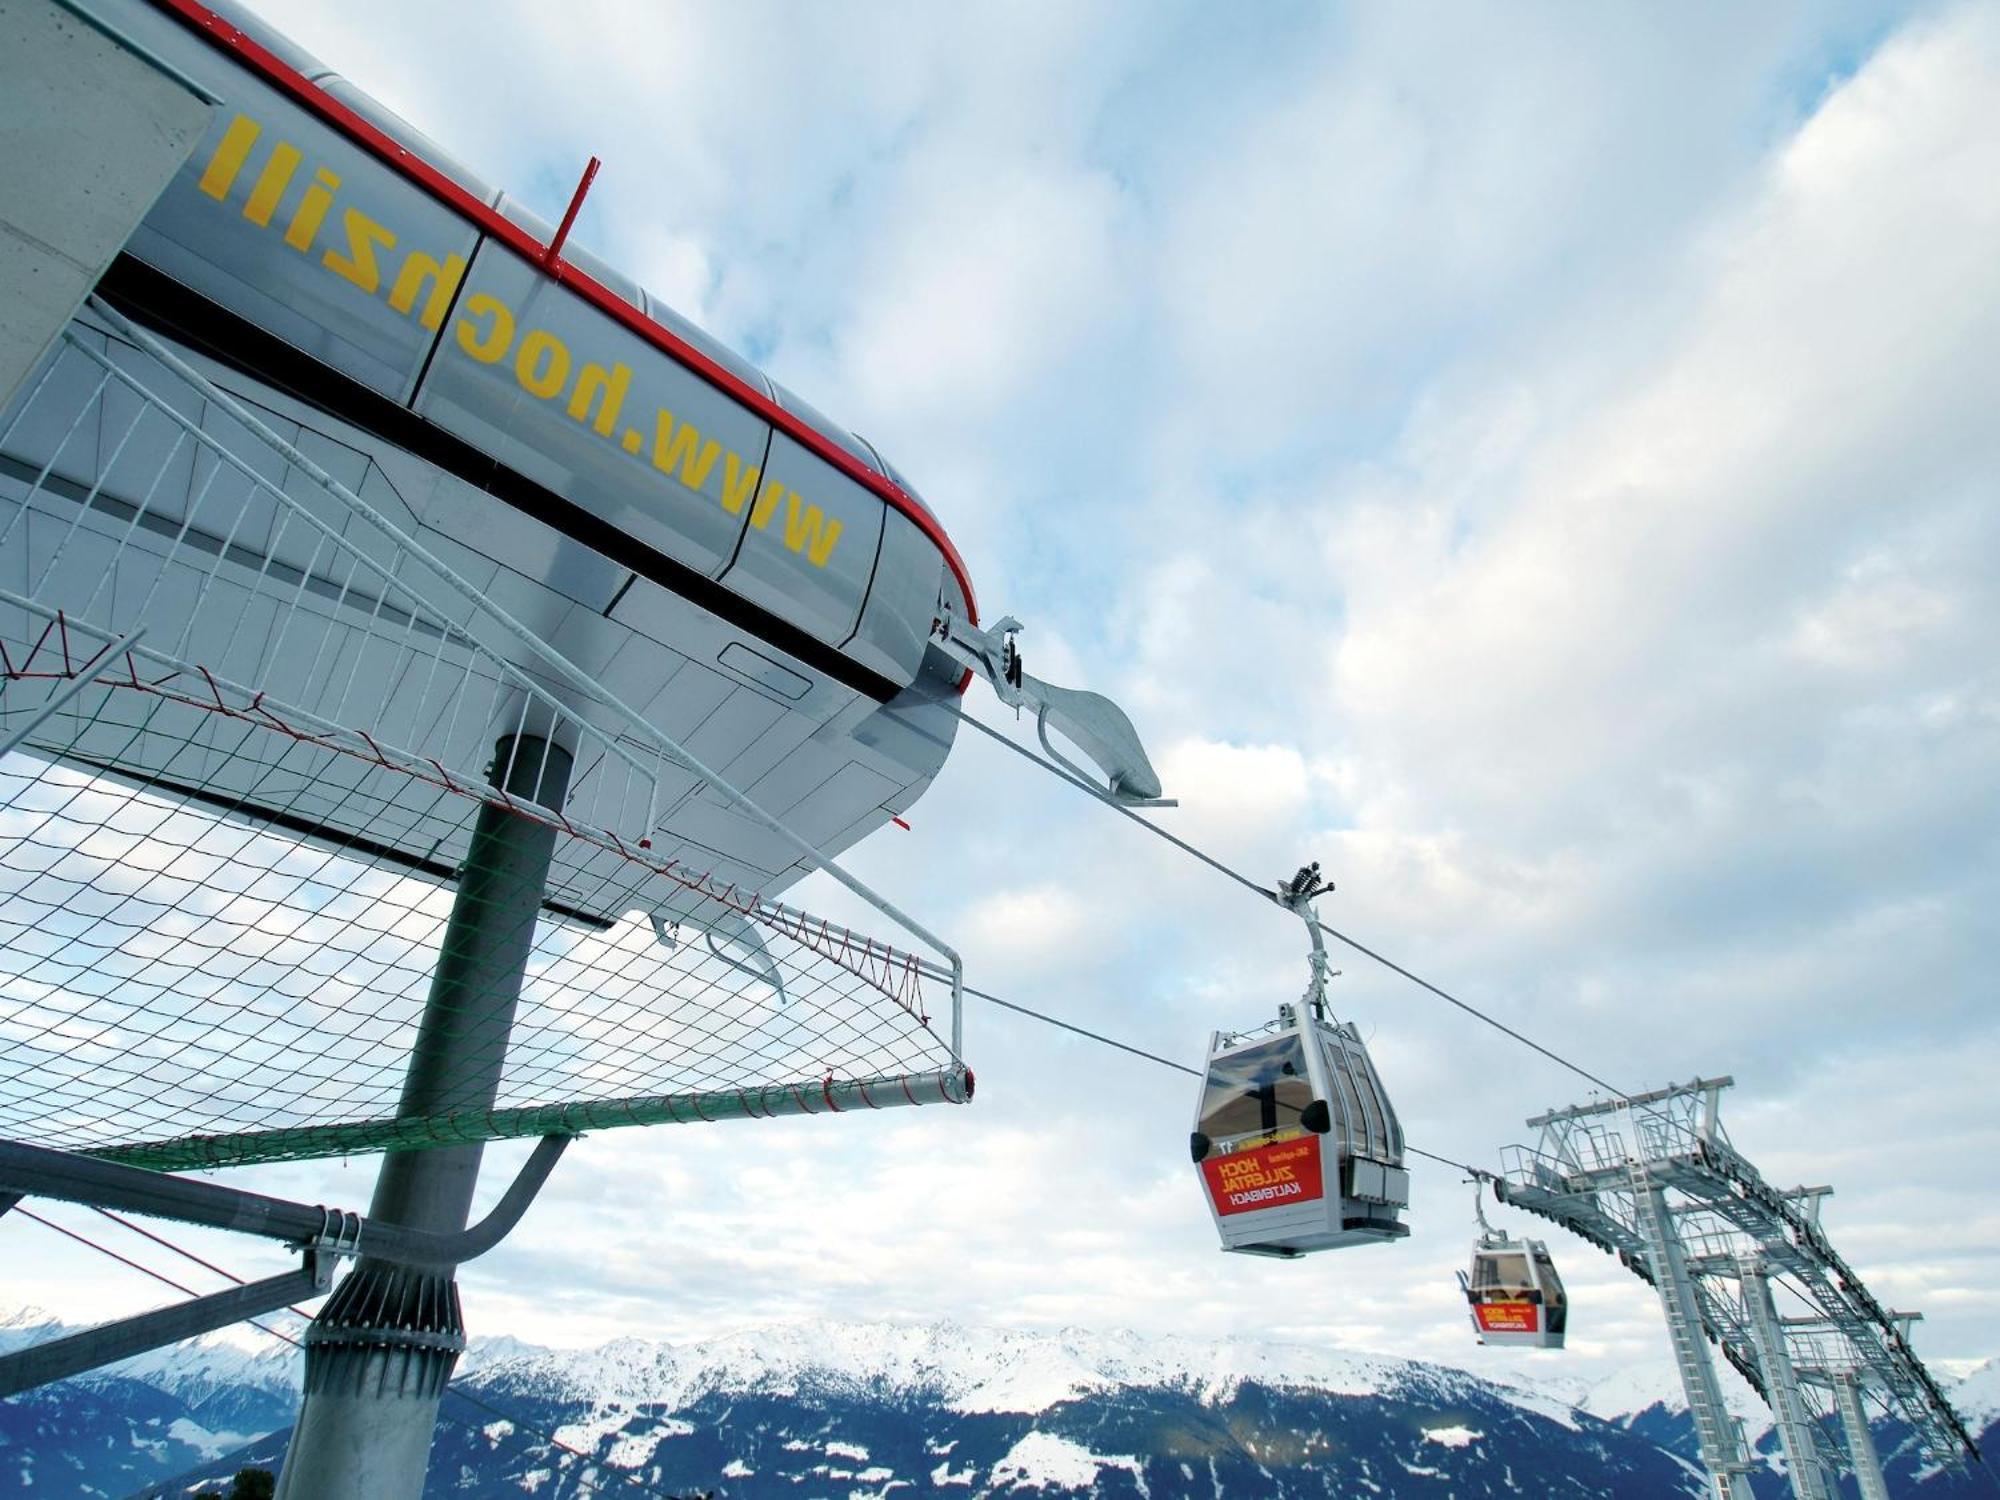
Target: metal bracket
(324, 1237)
(1296, 896)
(339, 1239)
(1092, 721)
(723, 930)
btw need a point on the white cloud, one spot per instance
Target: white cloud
(1005, 266)
(1026, 931)
(1250, 787)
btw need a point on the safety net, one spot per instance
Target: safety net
(257, 745)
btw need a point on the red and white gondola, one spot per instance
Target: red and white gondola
(1295, 1140)
(1516, 1298)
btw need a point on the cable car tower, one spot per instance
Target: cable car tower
(1654, 1180)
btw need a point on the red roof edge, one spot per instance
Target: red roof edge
(219, 33)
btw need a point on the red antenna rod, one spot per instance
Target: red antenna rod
(552, 257)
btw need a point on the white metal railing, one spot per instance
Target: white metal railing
(129, 514)
(136, 495)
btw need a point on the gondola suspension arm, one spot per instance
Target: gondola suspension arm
(1091, 721)
(1487, 1234)
(1296, 896)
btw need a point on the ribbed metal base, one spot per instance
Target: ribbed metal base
(387, 1331)
(377, 1359)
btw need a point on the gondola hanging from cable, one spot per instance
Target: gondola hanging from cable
(1516, 1297)
(1295, 1139)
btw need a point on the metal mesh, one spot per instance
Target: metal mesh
(226, 868)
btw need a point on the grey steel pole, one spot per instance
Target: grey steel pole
(1715, 1430)
(381, 1349)
(1781, 1383)
(1861, 1452)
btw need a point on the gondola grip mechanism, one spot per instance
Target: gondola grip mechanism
(1091, 721)
(1296, 896)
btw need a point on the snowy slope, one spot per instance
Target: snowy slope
(963, 1369)
(833, 1408)
(173, 1409)
(1627, 1394)
(1977, 1397)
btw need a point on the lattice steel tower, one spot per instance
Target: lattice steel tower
(1654, 1180)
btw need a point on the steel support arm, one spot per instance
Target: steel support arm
(1090, 720)
(38, 1172)
(323, 1234)
(93, 1348)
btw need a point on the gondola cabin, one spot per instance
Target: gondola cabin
(1297, 1146)
(1517, 1299)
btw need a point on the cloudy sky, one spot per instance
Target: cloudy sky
(1539, 462)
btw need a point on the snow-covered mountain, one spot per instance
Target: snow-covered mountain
(862, 1410)
(1648, 1400)
(1977, 1397)
(151, 1417)
(961, 1369)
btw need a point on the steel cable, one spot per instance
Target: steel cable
(1265, 891)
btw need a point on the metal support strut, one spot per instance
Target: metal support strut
(1861, 1452)
(1721, 1443)
(323, 1234)
(1781, 1383)
(93, 1348)
(1296, 896)
(384, 1344)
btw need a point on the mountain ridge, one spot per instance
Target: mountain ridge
(847, 1409)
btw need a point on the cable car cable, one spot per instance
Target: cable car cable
(186, 1254)
(1167, 1062)
(1116, 806)
(1446, 1161)
(123, 1260)
(1251, 885)
(1178, 1067)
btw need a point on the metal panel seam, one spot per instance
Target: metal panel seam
(219, 33)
